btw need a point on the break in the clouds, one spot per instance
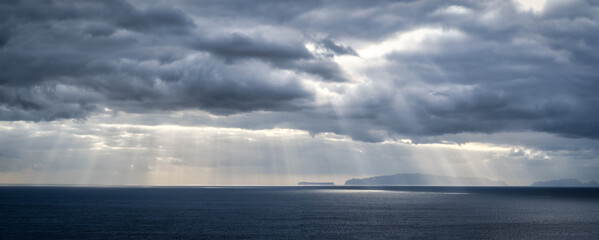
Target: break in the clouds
(430, 72)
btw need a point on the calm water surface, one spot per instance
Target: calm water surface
(298, 213)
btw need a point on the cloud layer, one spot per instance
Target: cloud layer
(423, 68)
(371, 71)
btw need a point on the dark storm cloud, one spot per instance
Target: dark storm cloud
(337, 49)
(289, 54)
(238, 45)
(114, 54)
(45, 103)
(525, 72)
(153, 19)
(507, 69)
(512, 71)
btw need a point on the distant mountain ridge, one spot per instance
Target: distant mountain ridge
(416, 179)
(565, 182)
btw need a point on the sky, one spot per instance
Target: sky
(277, 92)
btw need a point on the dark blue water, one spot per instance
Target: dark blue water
(298, 213)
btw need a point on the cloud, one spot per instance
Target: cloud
(159, 154)
(523, 74)
(69, 60)
(336, 49)
(155, 19)
(371, 71)
(237, 45)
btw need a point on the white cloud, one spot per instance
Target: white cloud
(422, 39)
(535, 6)
(453, 10)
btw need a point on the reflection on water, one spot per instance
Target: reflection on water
(387, 191)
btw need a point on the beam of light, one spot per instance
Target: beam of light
(198, 155)
(422, 39)
(535, 6)
(373, 56)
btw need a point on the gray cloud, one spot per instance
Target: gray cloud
(337, 49)
(526, 73)
(510, 70)
(282, 53)
(155, 19)
(237, 45)
(64, 60)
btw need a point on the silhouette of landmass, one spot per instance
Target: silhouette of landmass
(565, 182)
(316, 183)
(415, 179)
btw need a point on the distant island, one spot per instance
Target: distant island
(565, 182)
(415, 179)
(316, 183)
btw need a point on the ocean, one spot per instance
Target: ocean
(303, 212)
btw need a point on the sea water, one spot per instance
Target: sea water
(337, 212)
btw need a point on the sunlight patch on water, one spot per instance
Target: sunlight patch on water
(382, 191)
